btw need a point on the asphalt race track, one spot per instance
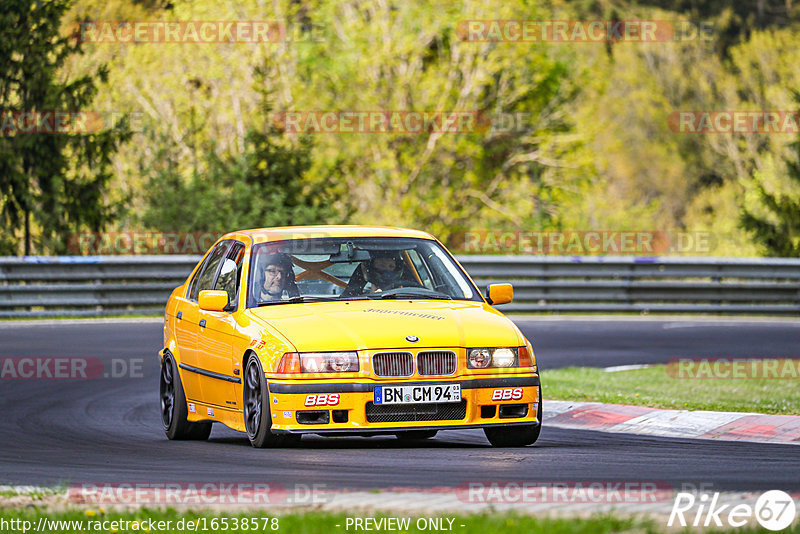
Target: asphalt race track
(108, 429)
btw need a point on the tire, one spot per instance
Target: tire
(516, 436)
(257, 413)
(415, 435)
(174, 412)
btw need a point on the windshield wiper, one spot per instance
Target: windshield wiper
(310, 298)
(297, 300)
(413, 295)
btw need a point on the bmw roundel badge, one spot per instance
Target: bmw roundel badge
(412, 339)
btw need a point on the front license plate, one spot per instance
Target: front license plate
(417, 394)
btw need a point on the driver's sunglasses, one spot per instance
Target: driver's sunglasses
(272, 271)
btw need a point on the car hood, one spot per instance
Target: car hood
(360, 325)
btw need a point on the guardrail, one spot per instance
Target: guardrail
(124, 285)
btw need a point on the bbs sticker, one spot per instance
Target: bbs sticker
(507, 394)
(322, 399)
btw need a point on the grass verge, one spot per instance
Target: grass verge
(658, 388)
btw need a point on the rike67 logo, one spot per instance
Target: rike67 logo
(774, 510)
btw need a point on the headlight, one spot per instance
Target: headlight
(492, 357)
(504, 358)
(479, 358)
(319, 362)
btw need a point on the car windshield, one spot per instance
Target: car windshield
(354, 268)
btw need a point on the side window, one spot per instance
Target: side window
(209, 272)
(230, 275)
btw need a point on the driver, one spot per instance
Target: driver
(276, 276)
(384, 270)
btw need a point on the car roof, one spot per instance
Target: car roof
(282, 233)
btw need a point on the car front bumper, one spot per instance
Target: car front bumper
(347, 407)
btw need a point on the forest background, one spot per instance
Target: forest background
(195, 146)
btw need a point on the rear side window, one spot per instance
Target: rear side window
(205, 279)
(193, 285)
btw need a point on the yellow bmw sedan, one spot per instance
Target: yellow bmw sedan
(342, 330)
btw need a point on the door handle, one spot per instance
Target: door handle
(180, 315)
(202, 323)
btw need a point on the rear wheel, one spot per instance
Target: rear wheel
(174, 412)
(517, 436)
(257, 413)
(415, 435)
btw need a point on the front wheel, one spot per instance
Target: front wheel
(516, 436)
(257, 416)
(174, 412)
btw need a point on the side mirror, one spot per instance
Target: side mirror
(213, 300)
(500, 294)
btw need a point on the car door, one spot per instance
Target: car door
(188, 324)
(218, 334)
(185, 328)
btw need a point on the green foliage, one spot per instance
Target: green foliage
(775, 220)
(409, 56)
(593, 149)
(263, 187)
(734, 20)
(58, 181)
